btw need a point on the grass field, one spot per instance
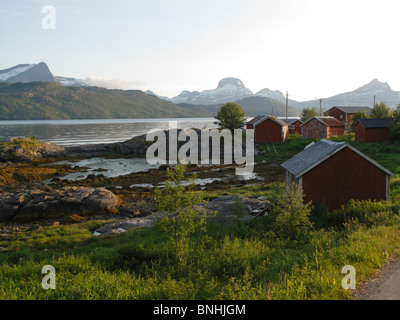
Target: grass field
(243, 261)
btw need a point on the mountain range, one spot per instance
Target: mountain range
(362, 97)
(127, 103)
(233, 89)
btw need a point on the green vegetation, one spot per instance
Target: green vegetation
(40, 100)
(308, 113)
(253, 260)
(395, 125)
(357, 116)
(291, 215)
(381, 110)
(180, 218)
(231, 116)
(247, 261)
(27, 142)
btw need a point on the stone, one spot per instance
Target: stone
(29, 149)
(39, 201)
(128, 224)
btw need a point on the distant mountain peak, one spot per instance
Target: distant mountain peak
(375, 86)
(230, 81)
(27, 73)
(228, 90)
(36, 72)
(273, 94)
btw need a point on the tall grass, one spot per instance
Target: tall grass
(246, 261)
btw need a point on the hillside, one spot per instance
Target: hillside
(253, 106)
(50, 101)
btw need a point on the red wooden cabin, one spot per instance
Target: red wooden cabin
(294, 126)
(372, 130)
(331, 173)
(322, 127)
(268, 129)
(346, 114)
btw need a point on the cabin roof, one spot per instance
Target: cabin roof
(261, 118)
(375, 123)
(328, 121)
(291, 121)
(353, 109)
(315, 153)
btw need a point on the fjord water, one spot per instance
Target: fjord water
(77, 132)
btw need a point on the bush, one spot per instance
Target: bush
(367, 212)
(181, 219)
(291, 214)
(395, 125)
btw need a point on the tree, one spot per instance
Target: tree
(381, 111)
(308, 113)
(358, 115)
(394, 128)
(180, 218)
(231, 116)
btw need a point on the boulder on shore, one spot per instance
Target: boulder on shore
(39, 201)
(29, 149)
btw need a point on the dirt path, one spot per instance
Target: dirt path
(384, 286)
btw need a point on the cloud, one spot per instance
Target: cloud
(124, 84)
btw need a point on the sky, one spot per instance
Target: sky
(309, 48)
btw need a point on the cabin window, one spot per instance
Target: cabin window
(341, 116)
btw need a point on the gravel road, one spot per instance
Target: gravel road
(384, 286)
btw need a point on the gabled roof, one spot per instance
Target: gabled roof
(290, 121)
(259, 119)
(328, 121)
(315, 154)
(256, 119)
(353, 109)
(375, 123)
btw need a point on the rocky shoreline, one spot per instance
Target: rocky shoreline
(33, 189)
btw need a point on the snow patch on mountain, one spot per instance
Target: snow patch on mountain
(14, 71)
(69, 82)
(229, 89)
(273, 94)
(374, 87)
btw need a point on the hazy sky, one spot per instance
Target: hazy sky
(311, 48)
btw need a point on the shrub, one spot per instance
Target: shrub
(181, 218)
(367, 212)
(291, 214)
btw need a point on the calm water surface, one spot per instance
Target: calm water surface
(75, 132)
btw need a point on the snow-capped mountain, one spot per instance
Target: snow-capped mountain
(273, 94)
(229, 89)
(364, 96)
(375, 87)
(27, 73)
(36, 72)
